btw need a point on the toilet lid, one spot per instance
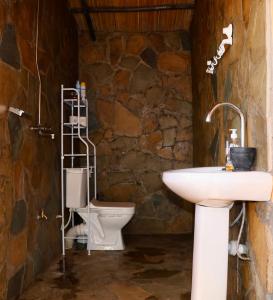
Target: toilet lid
(113, 205)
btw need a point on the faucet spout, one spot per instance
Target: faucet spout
(237, 109)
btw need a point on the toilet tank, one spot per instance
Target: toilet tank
(76, 187)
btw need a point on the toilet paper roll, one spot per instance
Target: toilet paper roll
(74, 120)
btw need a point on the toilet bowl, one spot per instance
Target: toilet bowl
(106, 222)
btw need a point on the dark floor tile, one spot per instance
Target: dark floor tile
(151, 268)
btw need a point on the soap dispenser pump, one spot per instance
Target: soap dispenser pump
(233, 138)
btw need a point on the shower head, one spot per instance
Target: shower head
(19, 112)
(16, 111)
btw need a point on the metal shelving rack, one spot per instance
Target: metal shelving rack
(76, 131)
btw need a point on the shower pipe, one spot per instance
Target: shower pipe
(36, 60)
(42, 130)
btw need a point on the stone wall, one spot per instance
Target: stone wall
(241, 79)
(29, 165)
(139, 88)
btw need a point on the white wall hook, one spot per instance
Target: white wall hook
(221, 49)
(42, 215)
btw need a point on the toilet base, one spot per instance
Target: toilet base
(103, 245)
(103, 224)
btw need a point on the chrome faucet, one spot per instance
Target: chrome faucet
(237, 109)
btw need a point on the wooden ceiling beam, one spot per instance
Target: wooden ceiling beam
(88, 19)
(124, 9)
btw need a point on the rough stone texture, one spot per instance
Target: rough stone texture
(29, 168)
(155, 96)
(167, 122)
(129, 62)
(173, 62)
(157, 42)
(101, 72)
(105, 112)
(169, 136)
(186, 40)
(143, 78)
(121, 80)
(125, 123)
(145, 125)
(149, 122)
(15, 285)
(93, 54)
(149, 57)
(166, 152)
(135, 43)
(116, 47)
(16, 135)
(8, 48)
(234, 82)
(152, 142)
(19, 217)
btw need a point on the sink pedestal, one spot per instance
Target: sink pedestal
(210, 253)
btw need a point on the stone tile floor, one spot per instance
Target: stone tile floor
(151, 268)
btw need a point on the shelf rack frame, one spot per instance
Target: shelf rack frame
(80, 132)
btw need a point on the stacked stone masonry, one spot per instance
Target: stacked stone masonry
(139, 90)
(241, 79)
(29, 164)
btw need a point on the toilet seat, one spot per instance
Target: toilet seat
(113, 208)
(116, 208)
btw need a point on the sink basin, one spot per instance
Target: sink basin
(214, 190)
(214, 187)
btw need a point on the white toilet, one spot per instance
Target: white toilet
(106, 222)
(106, 218)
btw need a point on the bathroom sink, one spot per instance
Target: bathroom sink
(213, 190)
(214, 187)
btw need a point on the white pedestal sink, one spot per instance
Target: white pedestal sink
(213, 191)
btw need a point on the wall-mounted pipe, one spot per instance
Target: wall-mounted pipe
(36, 60)
(42, 130)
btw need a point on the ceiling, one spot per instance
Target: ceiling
(162, 20)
